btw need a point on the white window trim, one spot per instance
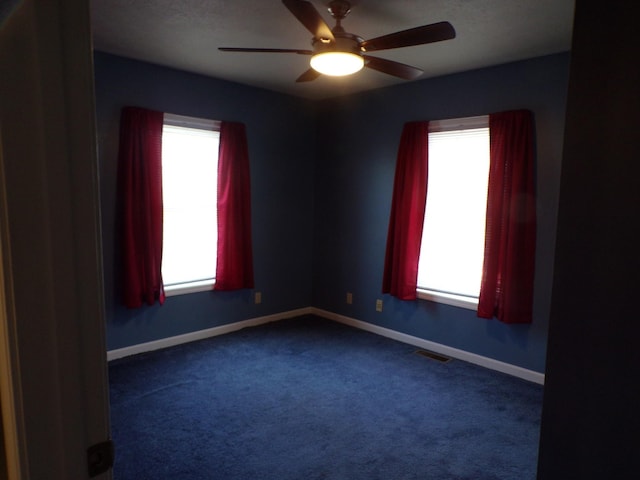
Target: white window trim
(189, 287)
(470, 303)
(461, 301)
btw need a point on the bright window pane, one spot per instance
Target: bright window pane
(189, 182)
(452, 248)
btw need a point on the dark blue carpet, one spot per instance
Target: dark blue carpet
(312, 399)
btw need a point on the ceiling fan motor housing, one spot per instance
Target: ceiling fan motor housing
(344, 42)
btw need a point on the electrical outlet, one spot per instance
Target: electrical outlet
(257, 297)
(349, 298)
(378, 305)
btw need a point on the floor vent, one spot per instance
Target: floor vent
(433, 356)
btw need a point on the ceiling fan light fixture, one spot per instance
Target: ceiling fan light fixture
(337, 64)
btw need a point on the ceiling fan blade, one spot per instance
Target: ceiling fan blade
(308, 76)
(307, 14)
(435, 32)
(390, 67)
(266, 50)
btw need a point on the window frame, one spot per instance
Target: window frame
(200, 124)
(456, 300)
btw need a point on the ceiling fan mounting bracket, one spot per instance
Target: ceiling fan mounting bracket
(339, 9)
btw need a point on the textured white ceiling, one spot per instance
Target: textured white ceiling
(186, 35)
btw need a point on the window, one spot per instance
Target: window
(189, 191)
(508, 263)
(452, 249)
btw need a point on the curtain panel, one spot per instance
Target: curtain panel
(406, 220)
(234, 268)
(140, 197)
(506, 291)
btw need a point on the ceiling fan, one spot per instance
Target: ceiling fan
(336, 52)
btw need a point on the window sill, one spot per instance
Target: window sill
(449, 299)
(191, 287)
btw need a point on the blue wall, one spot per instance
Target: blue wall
(280, 130)
(321, 207)
(354, 182)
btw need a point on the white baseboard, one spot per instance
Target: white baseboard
(202, 334)
(486, 362)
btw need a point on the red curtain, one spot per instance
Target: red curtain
(140, 194)
(407, 212)
(235, 259)
(506, 291)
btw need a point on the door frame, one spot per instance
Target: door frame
(53, 370)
